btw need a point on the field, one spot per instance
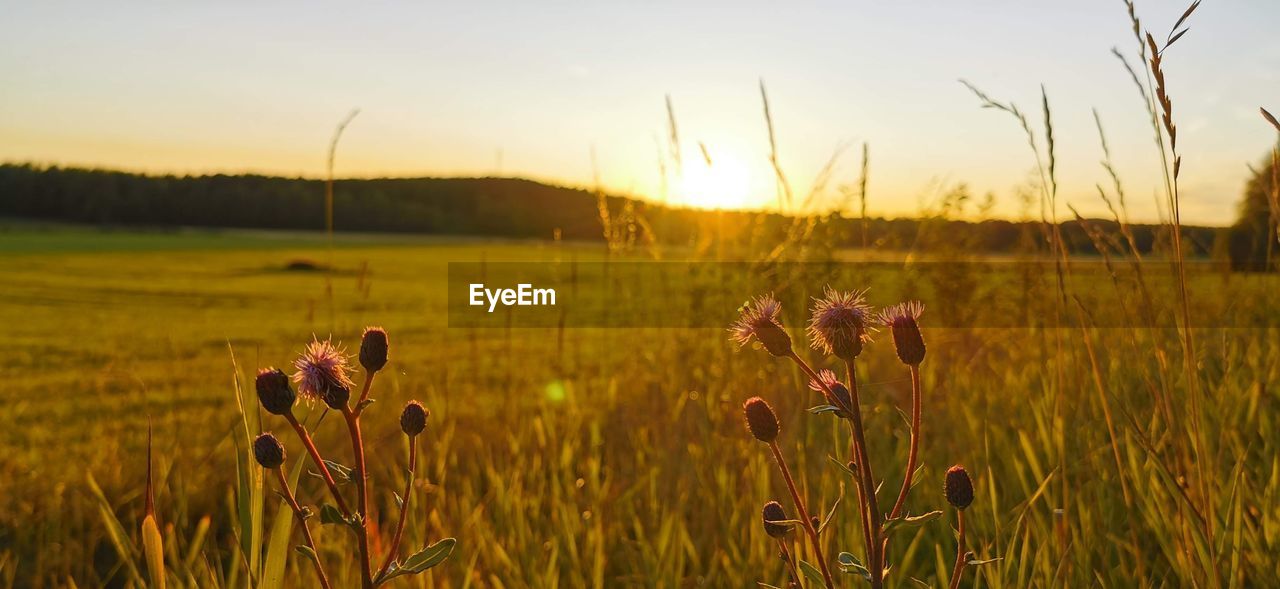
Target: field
(605, 457)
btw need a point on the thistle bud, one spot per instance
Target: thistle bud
(774, 519)
(274, 391)
(902, 319)
(268, 451)
(958, 487)
(414, 418)
(759, 321)
(373, 349)
(336, 396)
(761, 420)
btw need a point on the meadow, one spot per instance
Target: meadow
(615, 457)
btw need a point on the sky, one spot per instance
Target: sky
(567, 92)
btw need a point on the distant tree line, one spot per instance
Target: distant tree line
(503, 207)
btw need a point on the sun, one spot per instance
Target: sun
(717, 182)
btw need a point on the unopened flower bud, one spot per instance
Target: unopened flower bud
(774, 518)
(414, 418)
(761, 420)
(958, 487)
(373, 349)
(268, 451)
(274, 391)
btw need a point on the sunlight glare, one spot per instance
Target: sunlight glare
(721, 184)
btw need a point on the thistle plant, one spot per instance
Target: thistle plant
(840, 327)
(323, 374)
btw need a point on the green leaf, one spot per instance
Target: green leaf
(812, 573)
(278, 540)
(910, 521)
(361, 406)
(307, 552)
(331, 515)
(820, 409)
(420, 561)
(975, 562)
(851, 565)
(341, 474)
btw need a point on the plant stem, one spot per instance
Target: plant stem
(404, 509)
(318, 461)
(804, 514)
(306, 530)
(855, 455)
(362, 495)
(788, 558)
(959, 567)
(912, 454)
(876, 564)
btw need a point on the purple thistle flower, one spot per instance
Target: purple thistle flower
(901, 319)
(839, 394)
(323, 374)
(839, 323)
(759, 320)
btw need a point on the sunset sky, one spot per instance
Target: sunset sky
(531, 88)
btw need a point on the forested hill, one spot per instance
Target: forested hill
(505, 207)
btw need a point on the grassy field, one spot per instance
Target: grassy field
(608, 457)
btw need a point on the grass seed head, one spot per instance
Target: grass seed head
(274, 392)
(414, 418)
(761, 420)
(373, 349)
(759, 320)
(268, 451)
(901, 319)
(323, 374)
(958, 487)
(839, 323)
(773, 515)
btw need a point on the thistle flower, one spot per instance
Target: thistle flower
(274, 391)
(762, 422)
(901, 320)
(373, 349)
(323, 374)
(414, 418)
(958, 487)
(839, 323)
(838, 397)
(774, 519)
(268, 451)
(759, 320)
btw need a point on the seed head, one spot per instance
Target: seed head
(323, 374)
(839, 323)
(958, 487)
(759, 320)
(838, 395)
(274, 391)
(373, 349)
(414, 418)
(761, 420)
(772, 516)
(268, 451)
(901, 320)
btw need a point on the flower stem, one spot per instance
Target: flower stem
(790, 559)
(362, 494)
(404, 509)
(306, 530)
(959, 567)
(804, 514)
(318, 461)
(855, 455)
(876, 558)
(912, 454)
